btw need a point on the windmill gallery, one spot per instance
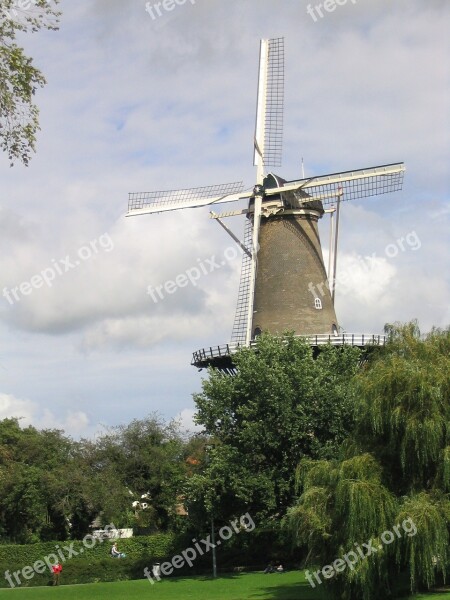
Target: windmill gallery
(281, 249)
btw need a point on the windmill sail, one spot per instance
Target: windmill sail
(239, 333)
(350, 185)
(274, 111)
(162, 201)
(270, 106)
(361, 185)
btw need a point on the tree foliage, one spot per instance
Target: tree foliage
(144, 457)
(394, 467)
(19, 78)
(52, 487)
(33, 465)
(283, 404)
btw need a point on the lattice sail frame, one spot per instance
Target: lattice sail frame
(239, 333)
(268, 138)
(273, 127)
(183, 198)
(349, 185)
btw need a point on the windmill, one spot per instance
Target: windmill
(284, 285)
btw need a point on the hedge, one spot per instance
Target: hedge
(81, 571)
(246, 550)
(158, 545)
(83, 564)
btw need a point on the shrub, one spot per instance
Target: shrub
(82, 564)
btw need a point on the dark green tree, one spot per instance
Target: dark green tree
(394, 471)
(52, 487)
(33, 465)
(144, 457)
(283, 404)
(19, 78)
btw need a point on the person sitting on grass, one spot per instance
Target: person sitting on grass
(115, 552)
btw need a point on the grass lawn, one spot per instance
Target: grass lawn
(251, 586)
(433, 596)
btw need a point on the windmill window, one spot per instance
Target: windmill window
(318, 303)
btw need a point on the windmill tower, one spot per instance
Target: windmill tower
(284, 284)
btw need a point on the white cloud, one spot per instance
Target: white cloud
(74, 423)
(14, 407)
(186, 420)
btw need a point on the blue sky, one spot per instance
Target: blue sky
(138, 104)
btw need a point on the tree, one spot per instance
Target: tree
(394, 471)
(19, 78)
(144, 457)
(33, 467)
(52, 487)
(283, 404)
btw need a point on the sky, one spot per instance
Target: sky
(159, 96)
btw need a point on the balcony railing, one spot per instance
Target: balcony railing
(206, 356)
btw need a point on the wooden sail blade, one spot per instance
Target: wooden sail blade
(140, 203)
(270, 107)
(350, 185)
(240, 326)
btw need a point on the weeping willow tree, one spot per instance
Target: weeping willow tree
(384, 508)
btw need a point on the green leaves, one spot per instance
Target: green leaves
(405, 403)
(363, 503)
(425, 553)
(446, 468)
(33, 467)
(395, 473)
(282, 405)
(47, 480)
(144, 456)
(19, 78)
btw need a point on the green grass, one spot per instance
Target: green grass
(432, 596)
(251, 586)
